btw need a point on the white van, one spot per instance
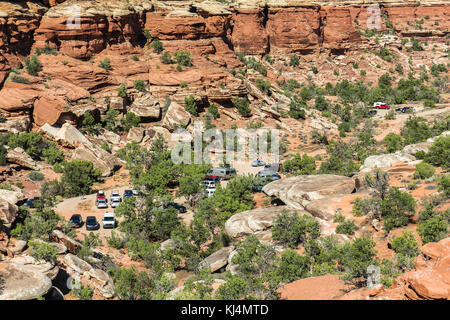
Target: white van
(109, 220)
(222, 173)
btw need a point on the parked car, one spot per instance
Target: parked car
(269, 174)
(135, 192)
(381, 106)
(213, 178)
(179, 207)
(260, 182)
(127, 194)
(275, 167)
(378, 104)
(405, 109)
(115, 196)
(100, 194)
(109, 220)
(208, 184)
(102, 204)
(210, 191)
(115, 203)
(258, 163)
(76, 220)
(91, 223)
(372, 112)
(222, 173)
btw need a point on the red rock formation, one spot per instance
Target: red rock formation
(249, 34)
(294, 29)
(338, 30)
(185, 27)
(96, 34)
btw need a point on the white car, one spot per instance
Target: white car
(210, 191)
(109, 220)
(114, 203)
(115, 196)
(102, 204)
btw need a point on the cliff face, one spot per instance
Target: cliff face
(294, 27)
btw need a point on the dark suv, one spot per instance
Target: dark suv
(76, 221)
(91, 223)
(179, 207)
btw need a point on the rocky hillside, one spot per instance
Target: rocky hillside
(90, 92)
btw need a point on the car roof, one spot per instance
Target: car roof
(91, 218)
(109, 214)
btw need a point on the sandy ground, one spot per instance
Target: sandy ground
(327, 287)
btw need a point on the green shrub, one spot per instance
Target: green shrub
(115, 241)
(33, 66)
(105, 64)
(42, 251)
(243, 106)
(424, 171)
(36, 176)
(214, 111)
(346, 227)
(166, 58)
(139, 85)
(393, 142)
(191, 105)
(46, 50)
(294, 60)
(263, 85)
(78, 177)
(439, 153)
(20, 79)
(122, 91)
(444, 184)
(157, 46)
(130, 120)
(291, 229)
(434, 229)
(183, 58)
(300, 165)
(396, 209)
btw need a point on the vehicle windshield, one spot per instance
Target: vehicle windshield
(75, 218)
(101, 201)
(108, 219)
(91, 220)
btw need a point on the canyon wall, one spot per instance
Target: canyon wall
(298, 26)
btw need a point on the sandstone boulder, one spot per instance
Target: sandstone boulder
(216, 260)
(76, 264)
(136, 134)
(146, 106)
(15, 125)
(67, 135)
(70, 244)
(249, 222)
(22, 282)
(18, 156)
(176, 115)
(102, 282)
(412, 149)
(8, 212)
(386, 160)
(101, 159)
(297, 192)
(12, 196)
